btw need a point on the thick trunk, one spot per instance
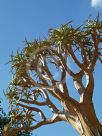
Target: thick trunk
(85, 121)
(89, 128)
(90, 124)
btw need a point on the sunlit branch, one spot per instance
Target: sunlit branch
(83, 67)
(31, 101)
(39, 85)
(89, 87)
(63, 63)
(44, 72)
(78, 81)
(79, 85)
(95, 53)
(63, 83)
(54, 119)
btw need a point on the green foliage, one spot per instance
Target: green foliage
(5, 120)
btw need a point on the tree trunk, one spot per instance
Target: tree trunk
(89, 128)
(86, 124)
(90, 123)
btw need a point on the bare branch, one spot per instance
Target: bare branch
(54, 119)
(63, 63)
(79, 85)
(75, 59)
(95, 54)
(47, 74)
(31, 101)
(39, 85)
(89, 87)
(63, 83)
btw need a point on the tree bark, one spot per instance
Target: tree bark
(84, 119)
(90, 123)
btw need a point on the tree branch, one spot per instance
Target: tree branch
(95, 54)
(88, 94)
(33, 109)
(75, 59)
(63, 83)
(54, 119)
(47, 101)
(63, 63)
(79, 85)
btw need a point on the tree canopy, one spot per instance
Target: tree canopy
(40, 82)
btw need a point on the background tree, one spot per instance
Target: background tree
(3, 118)
(4, 121)
(39, 91)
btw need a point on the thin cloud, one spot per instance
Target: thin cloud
(96, 3)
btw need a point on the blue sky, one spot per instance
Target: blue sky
(32, 19)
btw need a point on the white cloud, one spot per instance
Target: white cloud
(96, 3)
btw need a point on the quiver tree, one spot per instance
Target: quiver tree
(39, 91)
